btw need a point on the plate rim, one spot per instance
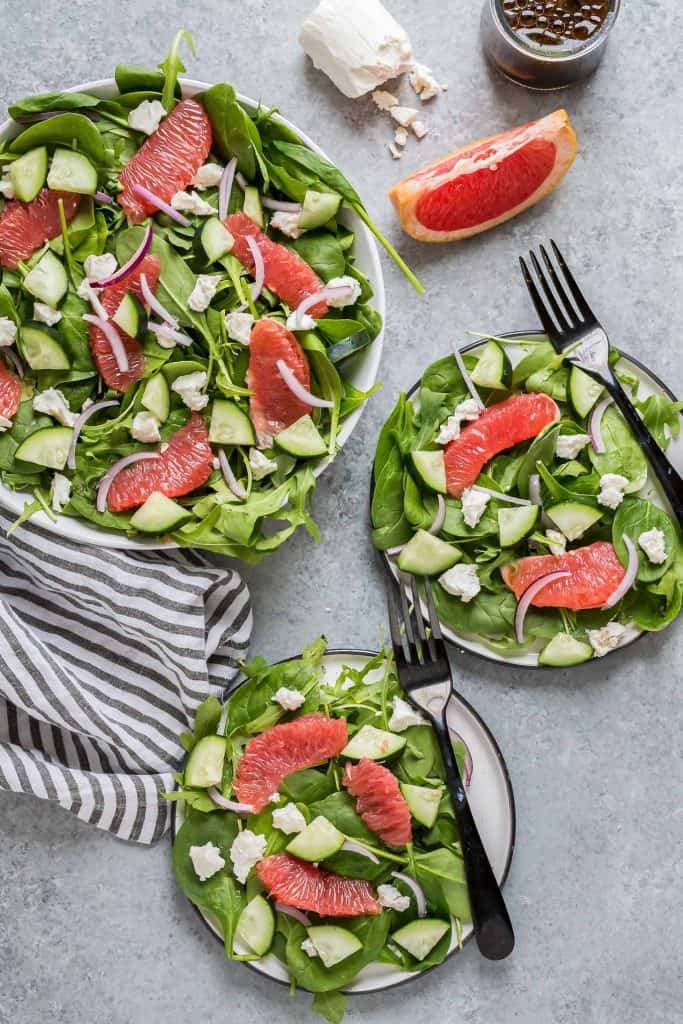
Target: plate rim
(512, 807)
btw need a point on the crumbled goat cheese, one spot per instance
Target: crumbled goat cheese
(6, 188)
(612, 487)
(400, 137)
(569, 445)
(192, 202)
(308, 948)
(44, 314)
(474, 502)
(89, 294)
(146, 116)
(8, 332)
(245, 852)
(419, 129)
(461, 581)
(391, 898)
(203, 292)
(384, 100)
(557, 542)
(206, 861)
(5, 424)
(606, 639)
(290, 700)
(652, 543)
(61, 491)
(261, 465)
(403, 716)
(238, 326)
(404, 115)
(464, 412)
(395, 151)
(289, 819)
(354, 290)
(208, 176)
(98, 268)
(190, 387)
(287, 223)
(53, 403)
(301, 323)
(274, 798)
(145, 428)
(424, 83)
(164, 337)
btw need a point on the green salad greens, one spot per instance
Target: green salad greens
(574, 496)
(322, 954)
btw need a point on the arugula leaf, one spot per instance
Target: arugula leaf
(662, 417)
(172, 66)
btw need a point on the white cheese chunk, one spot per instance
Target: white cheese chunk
(569, 445)
(290, 700)
(300, 323)
(261, 465)
(400, 137)
(99, 268)
(395, 151)
(203, 292)
(289, 819)
(6, 188)
(8, 332)
(461, 581)
(403, 716)
(557, 542)
(391, 898)
(353, 291)
(606, 639)
(190, 387)
(44, 314)
(474, 502)
(465, 411)
(238, 326)
(652, 543)
(5, 424)
(612, 487)
(206, 861)
(287, 223)
(146, 116)
(61, 491)
(246, 850)
(145, 428)
(208, 176)
(404, 115)
(423, 82)
(419, 129)
(384, 100)
(53, 403)
(192, 202)
(308, 948)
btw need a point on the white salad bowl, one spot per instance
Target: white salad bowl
(362, 369)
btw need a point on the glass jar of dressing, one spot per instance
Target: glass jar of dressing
(546, 44)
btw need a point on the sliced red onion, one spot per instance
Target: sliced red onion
(94, 300)
(466, 377)
(108, 479)
(334, 292)
(440, 517)
(352, 847)
(170, 332)
(113, 337)
(154, 304)
(225, 188)
(392, 552)
(231, 480)
(469, 763)
(102, 197)
(166, 208)
(228, 805)
(535, 490)
(131, 265)
(15, 361)
(594, 425)
(298, 915)
(259, 268)
(281, 205)
(297, 388)
(241, 180)
(529, 594)
(500, 496)
(81, 420)
(630, 576)
(416, 889)
(45, 115)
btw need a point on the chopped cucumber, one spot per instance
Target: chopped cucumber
(348, 346)
(130, 316)
(229, 425)
(318, 208)
(72, 172)
(493, 369)
(318, 841)
(47, 281)
(252, 205)
(419, 937)
(204, 765)
(426, 555)
(302, 439)
(256, 926)
(159, 514)
(215, 239)
(48, 447)
(423, 802)
(431, 469)
(375, 744)
(28, 174)
(156, 397)
(583, 391)
(573, 518)
(515, 523)
(564, 650)
(333, 943)
(42, 348)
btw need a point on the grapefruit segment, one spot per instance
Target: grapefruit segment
(596, 572)
(379, 801)
(486, 182)
(501, 426)
(25, 226)
(299, 884)
(186, 464)
(10, 392)
(273, 407)
(168, 160)
(287, 274)
(269, 757)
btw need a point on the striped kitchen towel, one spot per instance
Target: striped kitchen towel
(104, 658)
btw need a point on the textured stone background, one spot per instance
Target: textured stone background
(92, 930)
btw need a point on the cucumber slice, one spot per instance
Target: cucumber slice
(565, 650)
(493, 369)
(159, 514)
(583, 391)
(131, 316)
(318, 208)
(156, 397)
(252, 205)
(41, 347)
(419, 937)
(515, 523)
(48, 447)
(573, 518)
(72, 172)
(204, 766)
(256, 926)
(375, 744)
(47, 281)
(215, 239)
(426, 555)
(431, 469)
(302, 439)
(28, 174)
(333, 943)
(318, 841)
(229, 425)
(423, 802)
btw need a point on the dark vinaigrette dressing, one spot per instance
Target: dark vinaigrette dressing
(555, 23)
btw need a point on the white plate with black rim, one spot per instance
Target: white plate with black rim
(361, 369)
(648, 384)
(492, 802)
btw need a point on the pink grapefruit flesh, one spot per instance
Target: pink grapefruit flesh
(10, 392)
(304, 886)
(595, 570)
(379, 801)
(25, 226)
(273, 406)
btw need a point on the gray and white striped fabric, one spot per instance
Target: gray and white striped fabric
(104, 658)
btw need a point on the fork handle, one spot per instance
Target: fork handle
(492, 925)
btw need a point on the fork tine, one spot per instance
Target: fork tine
(560, 316)
(543, 315)
(559, 287)
(397, 638)
(414, 646)
(577, 294)
(434, 622)
(427, 644)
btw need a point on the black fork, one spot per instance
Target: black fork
(569, 322)
(421, 663)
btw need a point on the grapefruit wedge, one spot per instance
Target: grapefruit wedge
(10, 392)
(304, 886)
(168, 160)
(25, 226)
(379, 801)
(269, 757)
(486, 182)
(273, 407)
(501, 426)
(596, 572)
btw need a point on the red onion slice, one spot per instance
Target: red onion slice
(595, 423)
(15, 361)
(500, 496)
(259, 268)
(102, 197)
(154, 304)
(334, 292)
(132, 264)
(169, 332)
(166, 208)
(281, 205)
(113, 337)
(352, 847)
(231, 480)
(298, 915)
(469, 763)
(416, 889)
(392, 552)
(630, 575)
(529, 594)
(94, 301)
(297, 388)
(228, 805)
(241, 180)
(45, 115)
(439, 518)
(466, 377)
(81, 420)
(225, 188)
(108, 479)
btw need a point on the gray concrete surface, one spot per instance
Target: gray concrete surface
(94, 931)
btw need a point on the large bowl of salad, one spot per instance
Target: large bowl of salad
(191, 314)
(509, 479)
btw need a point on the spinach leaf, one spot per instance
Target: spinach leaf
(655, 606)
(234, 132)
(310, 973)
(205, 723)
(442, 876)
(624, 455)
(252, 709)
(322, 251)
(542, 357)
(132, 78)
(73, 331)
(46, 101)
(662, 417)
(633, 517)
(63, 130)
(172, 66)
(330, 1005)
(542, 449)
(307, 786)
